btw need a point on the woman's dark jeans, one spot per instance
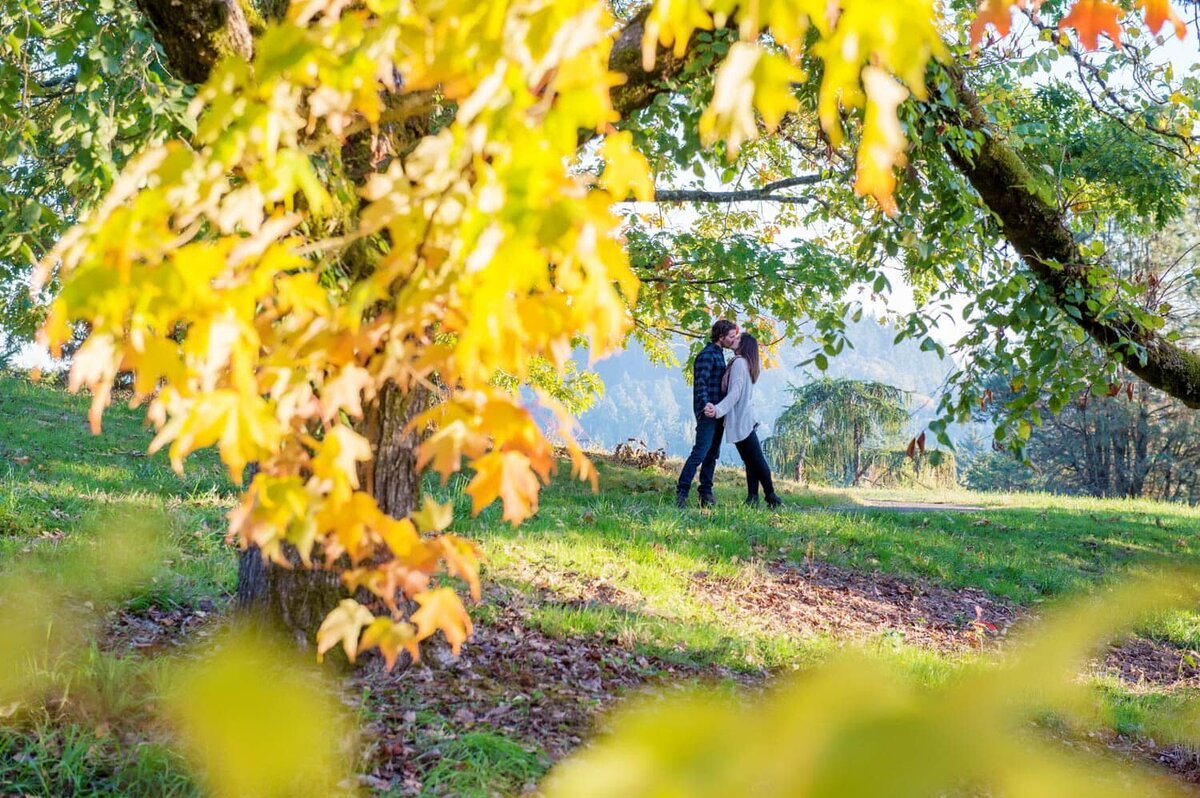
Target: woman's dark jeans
(757, 470)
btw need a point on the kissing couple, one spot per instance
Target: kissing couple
(721, 401)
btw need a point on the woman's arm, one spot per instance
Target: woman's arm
(737, 385)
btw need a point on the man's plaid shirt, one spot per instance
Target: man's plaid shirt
(707, 372)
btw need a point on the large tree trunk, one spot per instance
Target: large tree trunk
(295, 600)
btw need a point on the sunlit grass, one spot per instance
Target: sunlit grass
(619, 565)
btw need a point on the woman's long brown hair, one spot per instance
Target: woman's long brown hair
(747, 347)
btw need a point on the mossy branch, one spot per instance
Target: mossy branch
(1038, 231)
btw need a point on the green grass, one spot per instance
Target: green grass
(483, 764)
(621, 565)
(60, 485)
(77, 761)
(631, 540)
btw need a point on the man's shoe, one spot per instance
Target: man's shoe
(708, 501)
(751, 501)
(774, 502)
(681, 500)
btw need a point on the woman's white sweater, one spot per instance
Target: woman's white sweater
(735, 407)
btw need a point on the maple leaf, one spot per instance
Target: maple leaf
(749, 79)
(400, 536)
(95, 365)
(338, 455)
(1090, 18)
(433, 517)
(345, 392)
(462, 560)
(442, 609)
(1159, 13)
(506, 475)
(391, 638)
(883, 141)
(626, 172)
(998, 14)
(343, 625)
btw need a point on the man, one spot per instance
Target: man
(707, 371)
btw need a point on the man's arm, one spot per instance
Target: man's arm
(702, 372)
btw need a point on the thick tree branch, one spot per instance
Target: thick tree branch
(196, 34)
(1038, 231)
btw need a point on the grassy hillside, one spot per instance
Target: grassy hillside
(599, 594)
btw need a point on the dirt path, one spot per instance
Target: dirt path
(897, 506)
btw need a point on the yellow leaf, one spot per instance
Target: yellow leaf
(626, 172)
(883, 143)
(391, 638)
(442, 609)
(462, 560)
(749, 79)
(345, 392)
(898, 37)
(433, 517)
(338, 455)
(508, 476)
(256, 722)
(671, 23)
(400, 536)
(95, 365)
(342, 625)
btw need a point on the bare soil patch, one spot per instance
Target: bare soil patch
(823, 599)
(154, 630)
(510, 679)
(1140, 661)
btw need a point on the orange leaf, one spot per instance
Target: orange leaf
(391, 637)
(1159, 13)
(442, 609)
(998, 14)
(462, 560)
(509, 476)
(1090, 18)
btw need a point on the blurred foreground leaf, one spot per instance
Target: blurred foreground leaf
(257, 720)
(856, 727)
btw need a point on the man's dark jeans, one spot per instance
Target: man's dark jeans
(709, 432)
(758, 472)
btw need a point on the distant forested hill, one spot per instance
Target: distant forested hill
(654, 403)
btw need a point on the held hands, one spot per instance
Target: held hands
(710, 410)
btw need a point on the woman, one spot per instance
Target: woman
(738, 383)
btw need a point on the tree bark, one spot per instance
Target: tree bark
(196, 34)
(392, 477)
(296, 600)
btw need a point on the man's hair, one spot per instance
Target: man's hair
(720, 329)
